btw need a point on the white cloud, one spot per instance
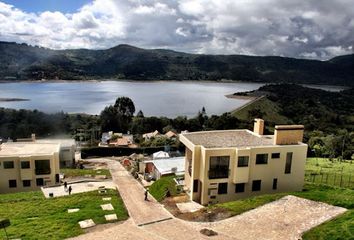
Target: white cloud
(308, 29)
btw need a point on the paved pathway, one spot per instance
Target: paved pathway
(283, 219)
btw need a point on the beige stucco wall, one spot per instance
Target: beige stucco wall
(266, 173)
(19, 174)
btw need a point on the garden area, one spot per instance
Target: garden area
(34, 217)
(330, 172)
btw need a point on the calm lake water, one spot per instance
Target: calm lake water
(169, 99)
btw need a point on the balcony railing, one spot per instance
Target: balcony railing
(218, 173)
(39, 171)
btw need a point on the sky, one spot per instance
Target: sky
(292, 28)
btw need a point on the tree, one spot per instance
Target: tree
(140, 114)
(125, 106)
(109, 121)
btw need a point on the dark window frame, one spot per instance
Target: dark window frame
(24, 183)
(261, 159)
(39, 182)
(195, 185)
(275, 184)
(217, 169)
(12, 183)
(275, 155)
(243, 161)
(256, 185)
(222, 188)
(9, 162)
(288, 162)
(42, 169)
(25, 166)
(240, 187)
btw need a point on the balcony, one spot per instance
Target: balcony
(45, 171)
(218, 173)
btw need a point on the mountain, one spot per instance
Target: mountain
(24, 62)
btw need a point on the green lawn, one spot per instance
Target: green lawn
(339, 228)
(160, 188)
(73, 172)
(335, 173)
(34, 217)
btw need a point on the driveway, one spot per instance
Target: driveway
(286, 218)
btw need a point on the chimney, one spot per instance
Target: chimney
(33, 136)
(258, 126)
(288, 134)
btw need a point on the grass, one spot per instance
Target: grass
(335, 173)
(73, 172)
(34, 217)
(341, 227)
(161, 187)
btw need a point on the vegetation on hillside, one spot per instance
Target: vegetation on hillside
(34, 217)
(21, 61)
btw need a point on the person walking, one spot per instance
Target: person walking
(65, 185)
(146, 194)
(70, 189)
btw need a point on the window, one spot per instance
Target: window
(9, 164)
(240, 187)
(275, 183)
(222, 189)
(219, 167)
(242, 161)
(39, 182)
(195, 185)
(262, 158)
(289, 158)
(26, 183)
(256, 185)
(12, 184)
(275, 155)
(25, 165)
(42, 167)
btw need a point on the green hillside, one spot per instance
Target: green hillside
(24, 62)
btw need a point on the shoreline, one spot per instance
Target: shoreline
(14, 99)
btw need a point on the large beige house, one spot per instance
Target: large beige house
(227, 165)
(28, 166)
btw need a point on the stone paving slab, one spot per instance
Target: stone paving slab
(107, 207)
(189, 207)
(87, 223)
(73, 210)
(286, 218)
(77, 188)
(111, 217)
(107, 199)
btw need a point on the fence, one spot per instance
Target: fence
(331, 178)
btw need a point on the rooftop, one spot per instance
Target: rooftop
(229, 138)
(164, 166)
(65, 142)
(28, 149)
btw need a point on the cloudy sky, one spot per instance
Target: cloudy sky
(293, 28)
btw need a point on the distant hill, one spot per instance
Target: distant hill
(24, 62)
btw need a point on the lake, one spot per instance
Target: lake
(157, 98)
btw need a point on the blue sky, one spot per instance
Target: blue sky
(302, 28)
(64, 6)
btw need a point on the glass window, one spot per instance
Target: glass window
(275, 155)
(26, 183)
(12, 184)
(262, 158)
(195, 185)
(9, 164)
(25, 164)
(242, 161)
(240, 187)
(39, 182)
(256, 185)
(289, 158)
(219, 167)
(222, 189)
(275, 183)
(42, 167)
